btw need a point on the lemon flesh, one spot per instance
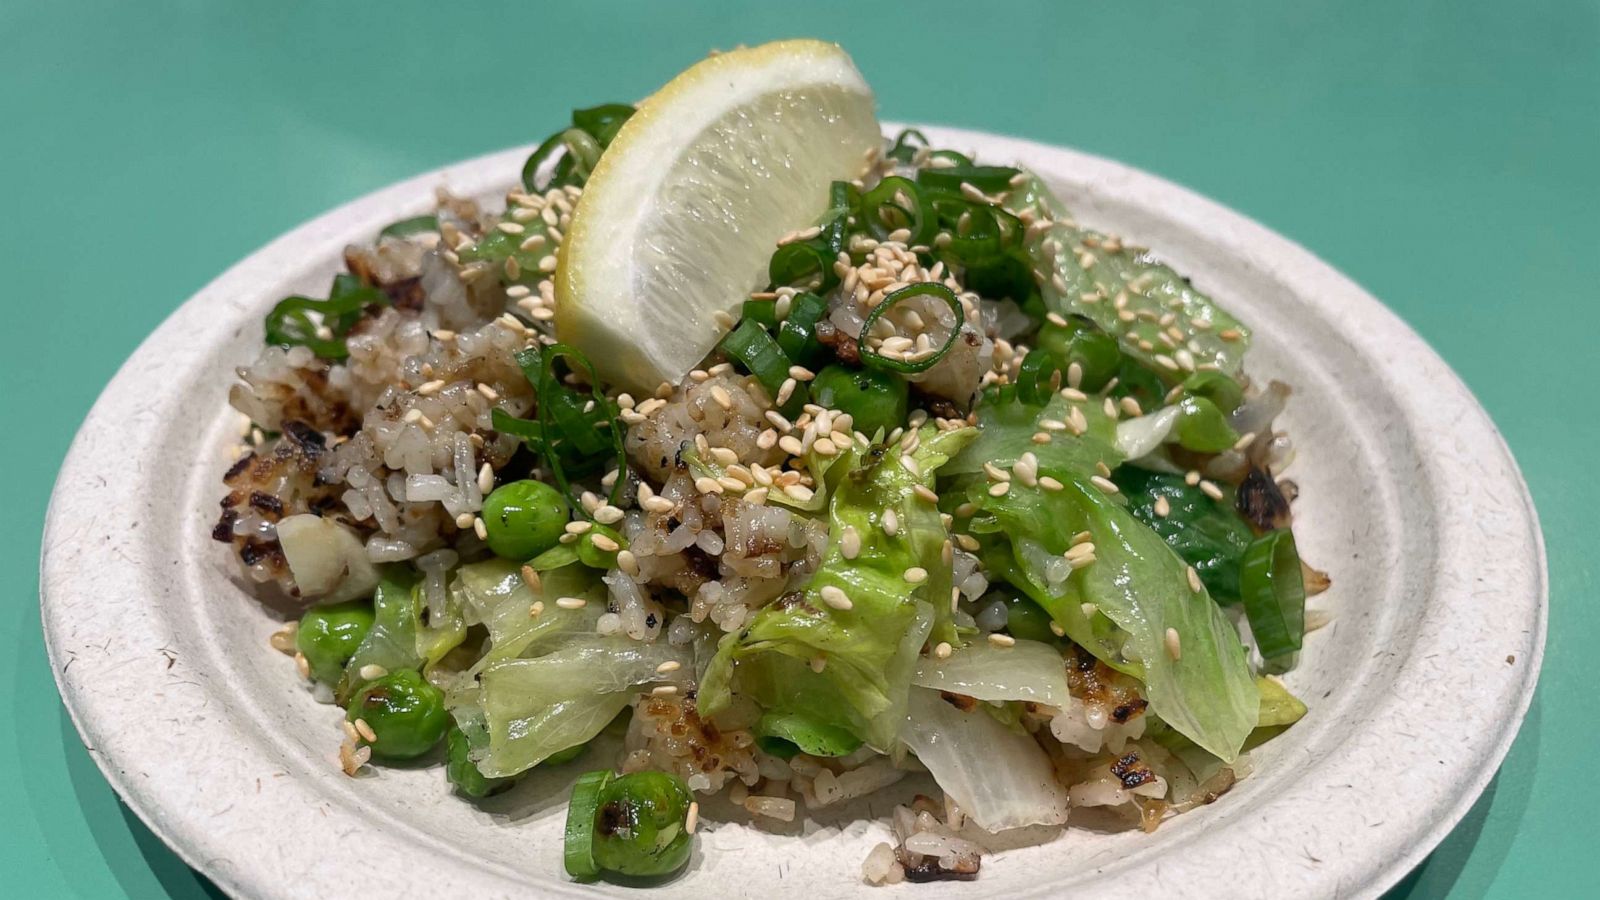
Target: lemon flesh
(679, 218)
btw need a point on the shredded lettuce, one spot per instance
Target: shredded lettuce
(392, 641)
(1006, 428)
(1001, 778)
(536, 707)
(866, 652)
(1029, 671)
(1208, 534)
(495, 593)
(1148, 286)
(1139, 586)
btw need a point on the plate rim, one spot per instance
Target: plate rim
(196, 843)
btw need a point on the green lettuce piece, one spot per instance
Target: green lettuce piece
(1059, 253)
(1006, 428)
(1139, 585)
(533, 708)
(494, 593)
(869, 650)
(1208, 534)
(392, 641)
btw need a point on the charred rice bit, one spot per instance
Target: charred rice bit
(928, 847)
(667, 734)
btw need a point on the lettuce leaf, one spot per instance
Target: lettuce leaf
(1138, 588)
(392, 641)
(535, 707)
(1006, 428)
(495, 594)
(1149, 286)
(869, 650)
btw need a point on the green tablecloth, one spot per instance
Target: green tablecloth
(1442, 154)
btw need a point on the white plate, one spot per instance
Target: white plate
(1408, 497)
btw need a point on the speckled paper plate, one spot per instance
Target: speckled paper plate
(1409, 499)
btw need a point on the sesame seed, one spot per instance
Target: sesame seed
(1132, 407)
(510, 227)
(925, 492)
(664, 690)
(1002, 640)
(825, 447)
(967, 542)
(571, 602)
(657, 505)
(891, 522)
(791, 445)
(691, 819)
(365, 730)
(996, 473)
(818, 663)
(1245, 440)
(1191, 478)
(627, 562)
(799, 492)
(531, 578)
(429, 388)
(608, 515)
(721, 396)
(412, 415)
(785, 391)
(302, 665)
(1194, 580)
(942, 650)
(835, 597)
(1056, 629)
(1163, 507)
(916, 575)
(670, 665)
(801, 373)
(1072, 393)
(464, 520)
(1211, 490)
(578, 527)
(850, 542)
(547, 264)
(486, 479)
(1166, 361)
(479, 528)
(605, 544)
(1174, 644)
(999, 488)
(1104, 484)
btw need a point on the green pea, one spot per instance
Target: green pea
(594, 556)
(1027, 621)
(405, 712)
(874, 399)
(639, 825)
(329, 636)
(524, 519)
(464, 773)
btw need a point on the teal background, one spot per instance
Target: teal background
(1441, 153)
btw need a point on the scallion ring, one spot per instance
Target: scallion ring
(873, 358)
(582, 810)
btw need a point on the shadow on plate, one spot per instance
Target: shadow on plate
(1439, 875)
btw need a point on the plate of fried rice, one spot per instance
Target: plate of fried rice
(733, 494)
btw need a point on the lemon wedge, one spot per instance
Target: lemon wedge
(679, 218)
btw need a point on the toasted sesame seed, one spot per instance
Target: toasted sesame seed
(942, 650)
(657, 505)
(1002, 640)
(465, 520)
(1174, 644)
(818, 663)
(916, 575)
(1163, 507)
(925, 492)
(691, 819)
(571, 602)
(608, 514)
(850, 542)
(1056, 629)
(999, 488)
(1132, 407)
(365, 730)
(721, 396)
(1191, 478)
(835, 597)
(891, 522)
(536, 610)
(1245, 440)
(996, 473)
(670, 665)
(578, 527)
(547, 264)
(479, 528)
(967, 542)
(1194, 580)
(302, 665)
(1104, 484)
(799, 492)
(486, 479)
(785, 391)
(1210, 489)
(664, 690)
(824, 447)
(510, 227)
(605, 544)
(707, 485)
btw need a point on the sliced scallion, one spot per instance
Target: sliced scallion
(922, 363)
(1274, 593)
(582, 810)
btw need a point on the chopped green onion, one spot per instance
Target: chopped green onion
(760, 355)
(1216, 387)
(802, 264)
(408, 227)
(871, 357)
(843, 197)
(1274, 593)
(1081, 341)
(761, 312)
(569, 428)
(579, 147)
(1036, 378)
(798, 336)
(895, 203)
(602, 122)
(578, 848)
(906, 145)
(988, 179)
(290, 323)
(1202, 427)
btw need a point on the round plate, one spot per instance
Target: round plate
(1409, 498)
